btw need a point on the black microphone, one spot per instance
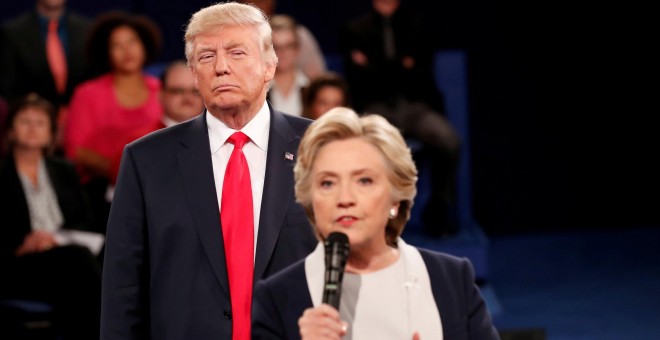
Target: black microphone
(336, 253)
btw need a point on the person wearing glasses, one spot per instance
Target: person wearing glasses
(178, 96)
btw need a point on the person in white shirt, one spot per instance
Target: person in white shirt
(356, 176)
(287, 87)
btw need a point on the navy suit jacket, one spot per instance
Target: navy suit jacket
(281, 300)
(24, 64)
(165, 275)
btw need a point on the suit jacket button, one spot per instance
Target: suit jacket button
(227, 315)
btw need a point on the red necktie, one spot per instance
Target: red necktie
(56, 57)
(238, 233)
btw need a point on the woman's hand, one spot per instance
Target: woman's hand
(321, 322)
(36, 242)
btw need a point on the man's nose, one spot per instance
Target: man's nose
(221, 65)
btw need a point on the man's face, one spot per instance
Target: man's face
(230, 71)
(385, 7)
(51, 4)
(179, 97)
(286, 48)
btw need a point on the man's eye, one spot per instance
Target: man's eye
(205, 57)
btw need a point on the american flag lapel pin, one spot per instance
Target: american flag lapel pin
(288, 155)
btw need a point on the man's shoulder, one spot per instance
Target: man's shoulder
(298, 124)
(78, 20)
(20, 22)
(164, 138)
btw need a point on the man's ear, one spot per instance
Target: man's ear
(270, 71)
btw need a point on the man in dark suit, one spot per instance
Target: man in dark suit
(24, 65)
(170, 270)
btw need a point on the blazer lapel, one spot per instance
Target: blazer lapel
(278, 188)
(197, 175)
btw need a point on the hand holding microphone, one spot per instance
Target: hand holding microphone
(324, 321)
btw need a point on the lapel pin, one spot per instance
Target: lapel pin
(288, 155)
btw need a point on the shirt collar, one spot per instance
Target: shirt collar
(256, 129)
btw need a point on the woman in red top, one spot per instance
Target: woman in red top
(121, 101)
(106, 112)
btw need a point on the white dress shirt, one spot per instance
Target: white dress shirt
(291, 104)
(255, 152)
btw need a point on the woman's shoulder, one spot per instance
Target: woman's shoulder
(97, 84)
(59, 162)
(443, 261)
(61, 167)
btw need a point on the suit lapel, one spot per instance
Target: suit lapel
(278, 188)
(197, 175)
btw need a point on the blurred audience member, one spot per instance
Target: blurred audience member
(327, 91)
(389, 67)
(179, 97)
(285, 93)
(310, 59)
(43, 52)
(180, 100)
(109, 109)
(3, 120)
(40, 202)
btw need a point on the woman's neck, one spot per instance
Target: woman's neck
(27, 163)
(367, 261)
(130, 89)
(127, 78)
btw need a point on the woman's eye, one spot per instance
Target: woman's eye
(365, 180)
(326, 184)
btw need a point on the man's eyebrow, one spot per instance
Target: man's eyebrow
(204, 48)
(233, 44)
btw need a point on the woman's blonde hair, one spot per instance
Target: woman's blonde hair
(226, 14)
(342, 123)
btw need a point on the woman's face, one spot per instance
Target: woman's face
(351, 192)
(31, 129)
(127, 53)
(327, 98)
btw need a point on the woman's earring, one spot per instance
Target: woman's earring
(392, 213)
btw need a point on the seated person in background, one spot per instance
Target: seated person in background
(356, 176)
(389, 67)
(40, 199)
(180, 100)
(107, 109)
(325, 92)
(285, 92)
(3, 119)
(310, 59)
(179, 97)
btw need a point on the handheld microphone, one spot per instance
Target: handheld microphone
(336, 253)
